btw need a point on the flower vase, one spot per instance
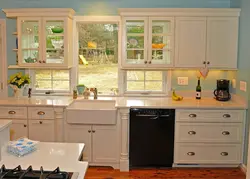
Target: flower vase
(17, 92)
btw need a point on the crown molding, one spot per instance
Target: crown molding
(41, 12)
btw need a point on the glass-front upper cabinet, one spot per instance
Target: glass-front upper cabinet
(28, 43)
(54, 41)
(135, 41)
(147, 42)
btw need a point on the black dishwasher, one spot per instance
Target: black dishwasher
(151, 137)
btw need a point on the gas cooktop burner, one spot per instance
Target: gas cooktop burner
(29, 173)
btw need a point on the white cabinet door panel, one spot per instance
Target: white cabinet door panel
(42, 130)
(19, 128)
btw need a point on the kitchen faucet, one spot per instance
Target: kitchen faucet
(94, 91)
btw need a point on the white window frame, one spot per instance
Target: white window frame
(3, 60)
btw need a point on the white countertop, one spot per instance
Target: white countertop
(50, 156)
(4, 124)
(125, 102)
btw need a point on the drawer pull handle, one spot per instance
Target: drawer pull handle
(89, 131)
(41, 113)
(191, 132)
(226, 116)
(93, 131)
(12, 112)
(224, 154)
(24, 125)
(41, 122)
(225, 133)
(192, 115)
(191, 153)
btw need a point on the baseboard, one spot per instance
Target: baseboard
(243, 168)
(206, 165)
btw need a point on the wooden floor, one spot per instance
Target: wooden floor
(181, 173)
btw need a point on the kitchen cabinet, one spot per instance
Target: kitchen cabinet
(42, 130)
(147, 42)
(101, 142)
(44, 37)
(190, 41)
(19, 128)
(222, 42)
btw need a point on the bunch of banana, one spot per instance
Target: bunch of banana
(176, 97)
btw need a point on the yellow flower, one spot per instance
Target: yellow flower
(19, 75)
(13, 80)
(20, 82)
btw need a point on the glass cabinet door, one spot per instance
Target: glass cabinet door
(29, 43)
(54, 41)
(135, 41)
(161, 41)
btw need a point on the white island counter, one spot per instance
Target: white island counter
(50, 156)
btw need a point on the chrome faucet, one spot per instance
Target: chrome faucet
(94, 91)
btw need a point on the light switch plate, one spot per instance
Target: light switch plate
(234, 83)
(182, 80)
(243, 86)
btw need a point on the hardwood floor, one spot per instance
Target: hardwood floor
(180, 173)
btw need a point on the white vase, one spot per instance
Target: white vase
(17, 92)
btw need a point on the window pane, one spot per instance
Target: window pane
(135, 26)
(135, 86)
(153, 86)
(43, 74)
(98, 56)
(160, 26)
(61, 75)
(43, 85)
(135, 42)
(154, 75)
(60, 85)
(135, 75)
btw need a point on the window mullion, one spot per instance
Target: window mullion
(52, 79)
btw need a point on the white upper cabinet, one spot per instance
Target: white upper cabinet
(190, 41)
(222, 42)
(44, 37)
(147, 42)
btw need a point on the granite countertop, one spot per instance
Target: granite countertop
(125, 102)
(50, 156)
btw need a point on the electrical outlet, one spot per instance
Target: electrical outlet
(182, 80)
(243, 86)
(234, 83)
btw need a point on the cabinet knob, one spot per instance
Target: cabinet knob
(40, 122)
(44, 61)
(204, 62)
(93, 131)
(145, 62)
(191, 153)
(225, 133)
(12, 112)
(41, 113)
(226, 116)
(24, 125)
(208, 63)
(192, 115)
(191, 132)
(149, 62)
(224, 153)
(89, 131)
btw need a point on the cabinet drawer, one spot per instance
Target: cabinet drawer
(208, 132)
(42, 130)
(41, 113)
(210, 115)
(207, 153)
(13, 112)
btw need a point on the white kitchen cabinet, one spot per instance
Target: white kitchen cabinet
(19, 128)
(42, 130)
(80, 134)
(222, 42)
(105, 144)
(44, 37)
(190, 41)
(147, 42)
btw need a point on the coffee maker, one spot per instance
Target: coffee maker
(222, 91)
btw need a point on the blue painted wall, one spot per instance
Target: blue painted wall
(243, 57)
(109, 7)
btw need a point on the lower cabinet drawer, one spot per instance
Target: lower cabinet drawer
(208, 132)
(192, 153)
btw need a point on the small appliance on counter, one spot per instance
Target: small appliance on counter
(222, 92)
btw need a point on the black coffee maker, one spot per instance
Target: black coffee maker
(222, 91)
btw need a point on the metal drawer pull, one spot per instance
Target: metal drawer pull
(191, 153)
(40, 122)
(12, 112)
(226, 116)
(224, 154)
(41, 113)
(191, 132)
(93, 131)
(89, 131)
(192, 115)
(225, 133)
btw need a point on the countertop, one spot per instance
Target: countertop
(125, 102)
(4, 124)
(49, 156)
